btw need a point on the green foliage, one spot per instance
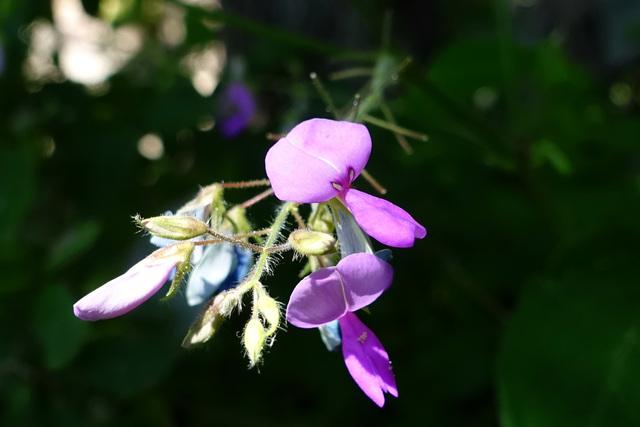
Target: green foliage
(520, 308)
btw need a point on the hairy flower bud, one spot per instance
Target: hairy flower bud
(174, 227)
(309, 242)
(209, 321)
(268, 308)
(254, 339)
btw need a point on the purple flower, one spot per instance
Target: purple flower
(335, 293)
(237, 107)
(319, 160)
(126, 292)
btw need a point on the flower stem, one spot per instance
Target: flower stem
(252, 201)
(246, 184)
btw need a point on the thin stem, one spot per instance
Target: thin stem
(351, 72)
(316, 214)
(252, 201)
(274, 231)
(235, 241)
(274, 34)
(246, 184)
(279, 248)
(324, 95)
(399, 137)
(252, 234)
(275, 136)
(395, 128)
(375, 184)
(298, 218)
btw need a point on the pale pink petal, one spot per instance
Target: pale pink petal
(365, 277)
(124, 293)
(315, 155)
(366, 359)
(318, 299)
(382, 220)
(297, 176)
(344, 145)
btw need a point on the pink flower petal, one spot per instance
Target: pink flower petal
(382, 220)
(365, 277)
(327, 294)
(366, 359)
(126, 292)
(317, 153)
(318, 299)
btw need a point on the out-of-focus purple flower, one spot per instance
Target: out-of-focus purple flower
(126, 292)
(335, 293)
(319, 160)
(236, 108)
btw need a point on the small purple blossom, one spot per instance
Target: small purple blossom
(138, 284)
(319, 160)
(335, 293)
(237, 106)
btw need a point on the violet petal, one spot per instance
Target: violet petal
(382, 220)
(297, 176)
(315, 155)
(366, 359)
(365, 277)
(318, 299)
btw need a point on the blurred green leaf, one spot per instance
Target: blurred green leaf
(61, 334)
(72, 243)
(544, 151)
(131, 363)
(17, 188)
(571, 355)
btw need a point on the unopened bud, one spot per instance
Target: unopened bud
(309, 242)
(208, 322)
(254, 339)
(174, 227)
(268, 308)
(238, 215)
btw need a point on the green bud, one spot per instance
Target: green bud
(209, 320)
(254, 339)
(269, 309)
(323, 221)
(174, 227)
(238, 216)
(309, 242)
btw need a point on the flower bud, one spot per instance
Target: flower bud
(210, 319)
(268, 308)
(254, 339)
(309, 242)
(174, 227)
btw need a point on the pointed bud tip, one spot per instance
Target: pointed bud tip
(174, 227)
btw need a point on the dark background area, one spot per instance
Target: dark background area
(520, 308)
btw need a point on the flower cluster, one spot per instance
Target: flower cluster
(316, 164)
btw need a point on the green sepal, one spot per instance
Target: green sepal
(181, 270)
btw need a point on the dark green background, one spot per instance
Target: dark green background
(520, 308)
